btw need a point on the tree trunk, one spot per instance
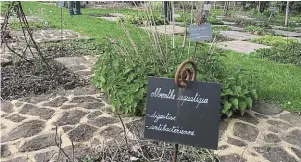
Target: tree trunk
(226, 7)
(286, 13)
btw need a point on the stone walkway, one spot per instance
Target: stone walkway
(79, 65)
(29, 124)
(234, 28)
(50, 35)
(287, 33)
(236, 35)
(82, 116)
(112, 17)
(40, 36)
(261, 138)
(170, 29)
(228, 23)
(241, 46)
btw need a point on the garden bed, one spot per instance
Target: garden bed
(70, 48)
(146, 150)
(24, 79)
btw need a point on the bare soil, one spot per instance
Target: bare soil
(23, 79)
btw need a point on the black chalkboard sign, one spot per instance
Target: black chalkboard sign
(188, 116)
(200, 32)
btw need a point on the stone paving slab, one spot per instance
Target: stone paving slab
(50, 35)
(220, 17)
(114, 17)
(109, 18)
(278, 27)
(79, 65)
(228, 23)
(80, 115)
(287, 33)
(170, 29)
(241, 46)
(234, 28)
(7, 56)
(236, 35)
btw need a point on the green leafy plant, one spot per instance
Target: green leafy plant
(289, 54)
(241, 22)
(144, 19)
(214, 21)
(217, 28)
(257, 30)
(238, 92)
(274, 40)
(89, 158)
(122, 70)
(125, 81)
(123, 77)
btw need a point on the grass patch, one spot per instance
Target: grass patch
(276, 82)
(289, 54)
(15, 25)
(220, 28)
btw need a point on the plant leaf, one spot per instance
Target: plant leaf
(249, 102)
(227, 106)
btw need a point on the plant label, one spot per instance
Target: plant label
(272, 9)
(200, 32)
(188, 116)
(207, 7)
(61, 4)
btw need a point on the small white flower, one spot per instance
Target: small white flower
(289, 103)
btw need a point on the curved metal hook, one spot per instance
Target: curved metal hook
(186, 75)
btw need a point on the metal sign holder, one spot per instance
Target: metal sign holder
(186, 75)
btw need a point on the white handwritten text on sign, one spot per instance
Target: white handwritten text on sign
(187, 116)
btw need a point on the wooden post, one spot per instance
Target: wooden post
(286, 13)
(164, 9)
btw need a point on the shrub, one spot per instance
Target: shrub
(257, 30)
(289, 54)
(144, 19)
(212, 20)
(241, 22)
(238, 92)
(274, 40)
(123, 77)
(220, 28)
(183, 17)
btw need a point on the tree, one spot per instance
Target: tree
(263, 6)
